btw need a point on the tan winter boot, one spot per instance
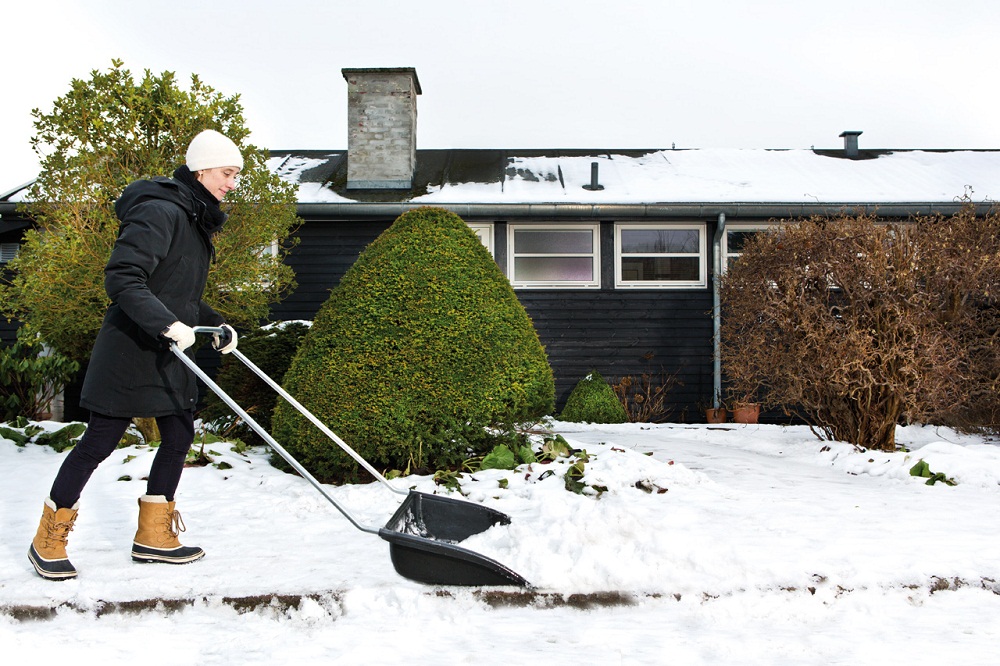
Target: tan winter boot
(48, 549)
(156, 538)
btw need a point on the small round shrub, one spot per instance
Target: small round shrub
(271, 349)
(593, 400)
(421, 357)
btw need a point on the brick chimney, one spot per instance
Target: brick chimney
(382, 127)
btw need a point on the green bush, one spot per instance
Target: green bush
(103, 133)
(31, 378)
(593, 401)
(271, 349)
(21, 431)
(421, 357)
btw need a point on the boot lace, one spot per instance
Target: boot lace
(58, 532)
(175, 523)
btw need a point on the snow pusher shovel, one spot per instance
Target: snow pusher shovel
(424, 530)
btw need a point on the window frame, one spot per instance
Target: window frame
(702, 256)
(724, 249)
(595, 256)
(484, 232)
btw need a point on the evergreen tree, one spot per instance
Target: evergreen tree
(593, 400)
(420, 358)
(101, 135)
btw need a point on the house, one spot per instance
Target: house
(611, 252)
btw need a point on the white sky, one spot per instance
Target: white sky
(541, 73)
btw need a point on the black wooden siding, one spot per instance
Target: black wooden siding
(616, 332)
(325, 251)
(619, 333)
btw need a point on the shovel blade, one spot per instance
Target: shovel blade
(423, 536)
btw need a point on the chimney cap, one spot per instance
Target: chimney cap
(851, 143)
(348, 71)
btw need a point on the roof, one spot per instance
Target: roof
(470, 176)
(645, 182)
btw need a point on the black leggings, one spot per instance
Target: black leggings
(101, 439)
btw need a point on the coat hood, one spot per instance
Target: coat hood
(208, 218)
(165, 189)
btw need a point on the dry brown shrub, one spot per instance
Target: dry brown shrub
(644, 396)
(858, 324)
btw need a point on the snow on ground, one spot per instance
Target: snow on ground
(728, 544)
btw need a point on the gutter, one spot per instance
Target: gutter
(361, 210)
(720, 231)
(356, 210)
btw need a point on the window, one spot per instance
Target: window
(563, 256)
(660, 256)
(484, 232)
(8, 251)
(269, 251)
(732, 243)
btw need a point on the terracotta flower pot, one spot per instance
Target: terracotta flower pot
(715, 415)
(747, 412)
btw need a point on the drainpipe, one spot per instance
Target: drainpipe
(720, 230)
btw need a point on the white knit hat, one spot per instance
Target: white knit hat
(210, 149)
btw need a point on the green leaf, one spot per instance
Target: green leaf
(500, 457)
(18, 438)
(923, 470)
(448, 479)
(62, 439)
(574, 477)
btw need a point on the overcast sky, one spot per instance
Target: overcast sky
(541, 73)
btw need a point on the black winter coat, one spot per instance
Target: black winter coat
(156, 275)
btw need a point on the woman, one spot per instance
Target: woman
(155, 279)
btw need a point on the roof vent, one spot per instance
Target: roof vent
(851, 143)
(594, 185)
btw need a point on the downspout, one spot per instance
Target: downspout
(720, 230)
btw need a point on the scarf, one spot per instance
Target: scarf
(210, 217)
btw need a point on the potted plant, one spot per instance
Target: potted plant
(715, 411)
(716, 414)
(746, 412)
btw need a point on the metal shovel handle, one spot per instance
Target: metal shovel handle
(257, 428)
(305, 412)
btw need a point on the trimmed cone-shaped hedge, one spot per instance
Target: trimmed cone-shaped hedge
(593, 400)
(420, 352)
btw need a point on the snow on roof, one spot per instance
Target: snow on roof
(704, 175)
(659, 176)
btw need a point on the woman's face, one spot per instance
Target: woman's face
(219, 181)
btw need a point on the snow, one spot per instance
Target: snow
(712, 175)
(729, 176)
(755, 544)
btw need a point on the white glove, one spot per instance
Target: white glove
(180, 333)
(226, 341)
